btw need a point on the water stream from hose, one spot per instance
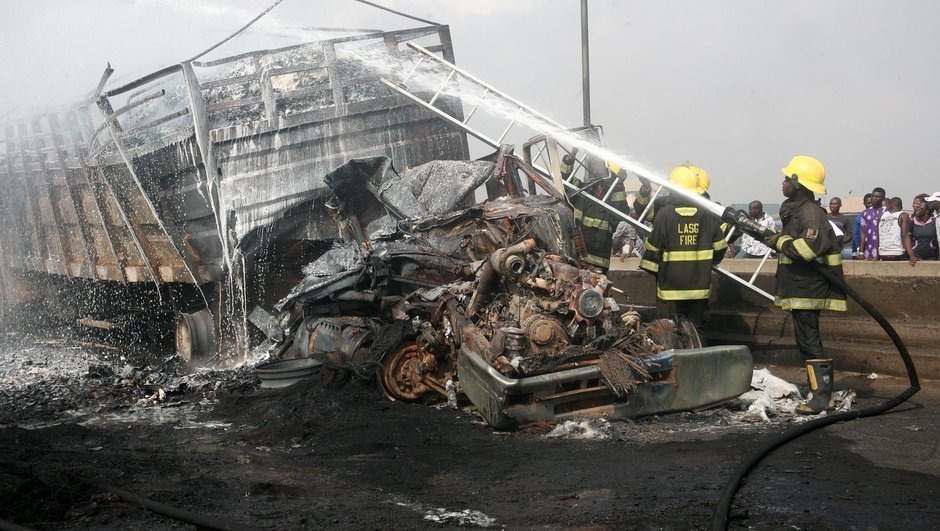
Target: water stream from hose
(431, 76)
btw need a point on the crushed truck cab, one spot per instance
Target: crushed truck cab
(441, 296)
(680, 380)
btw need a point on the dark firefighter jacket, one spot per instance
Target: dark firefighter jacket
(641, 200)
(639, 204)
(807, 236)
(596, 222)
(680, 251)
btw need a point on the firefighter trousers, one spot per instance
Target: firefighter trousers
(806, 326)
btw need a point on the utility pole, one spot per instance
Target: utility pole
(585, 64)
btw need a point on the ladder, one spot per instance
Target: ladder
(433, 75)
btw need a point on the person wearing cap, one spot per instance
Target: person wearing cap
(807, 237)
(684, 244)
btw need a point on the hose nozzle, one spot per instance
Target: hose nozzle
(749, 225)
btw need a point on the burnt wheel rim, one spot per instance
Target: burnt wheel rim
(400, 374)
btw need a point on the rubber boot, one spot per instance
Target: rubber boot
(819, 372)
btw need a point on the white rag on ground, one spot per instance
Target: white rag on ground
(582, 429)
(774, 387)
(771, 396)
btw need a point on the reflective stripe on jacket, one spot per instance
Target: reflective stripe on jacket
(807, 237)
(684, 244)
(597, 223)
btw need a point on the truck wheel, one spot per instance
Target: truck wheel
(402, 375)
(195, 336)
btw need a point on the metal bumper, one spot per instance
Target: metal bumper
(681, 380)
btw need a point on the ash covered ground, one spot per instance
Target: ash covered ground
(335, 452)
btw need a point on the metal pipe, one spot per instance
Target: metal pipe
(585, 64)
(104, 79)
(143, 81)
(406, 15)
(498, 264)
(485, 286)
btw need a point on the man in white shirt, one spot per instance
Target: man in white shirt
(626, 241)
(751, 248)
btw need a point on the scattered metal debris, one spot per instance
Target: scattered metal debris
(286, 372)
(46, 383)
(428, 288)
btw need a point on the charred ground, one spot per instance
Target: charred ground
(334, 452)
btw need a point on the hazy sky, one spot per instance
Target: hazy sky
(737, 87)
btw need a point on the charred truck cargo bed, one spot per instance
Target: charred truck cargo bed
(188, 184)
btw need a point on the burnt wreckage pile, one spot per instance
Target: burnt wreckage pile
(435, 297)
(194, 194)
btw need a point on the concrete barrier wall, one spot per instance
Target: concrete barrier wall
(909, 297)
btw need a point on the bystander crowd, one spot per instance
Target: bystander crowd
(894, 241)
(868, 240)
(841, 222)
(923, 231)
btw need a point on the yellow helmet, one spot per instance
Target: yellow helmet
(704, 181)
(808, 171)
(692, 178)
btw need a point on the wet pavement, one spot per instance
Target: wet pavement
(334, 452)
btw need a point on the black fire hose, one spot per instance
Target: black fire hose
(720, 519)
(10, 526)
(182, 515)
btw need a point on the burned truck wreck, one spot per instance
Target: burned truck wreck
(193, 197)
(434, 298)
(182, 197)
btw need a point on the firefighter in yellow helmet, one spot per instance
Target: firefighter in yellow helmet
(704, 181)
(808, 237)
(684, 244)
(596, 222)
(644, 195)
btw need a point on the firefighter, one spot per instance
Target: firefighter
(808, 237)
(680, 251)
(645, 193)
(643, 197)
(597, 223)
